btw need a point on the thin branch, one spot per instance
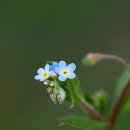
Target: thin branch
(115, 58)
(88, 108)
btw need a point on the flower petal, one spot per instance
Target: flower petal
(51, 68)
(55, 64)
(71, 67)
(71, 75)
(50, 72)
(37, 77)
(62, 64)
(57, 70)
(47, 67)
(61, 78)
(40, 70)
(42, 79)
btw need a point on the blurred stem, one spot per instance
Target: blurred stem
(115, 58)
(89, 108)
(123, 94)
(118, 105)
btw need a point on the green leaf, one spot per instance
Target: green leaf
(102, 102)
(71, 88)
(89, 98)
(81, 122)
(122, 81)
(127, 104)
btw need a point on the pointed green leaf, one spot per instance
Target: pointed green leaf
(122, 81)
(81, 122)
(71, 88)
(102, 102)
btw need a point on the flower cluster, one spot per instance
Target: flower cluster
(54, 74)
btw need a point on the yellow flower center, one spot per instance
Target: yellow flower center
(64, 72)
(45, 75)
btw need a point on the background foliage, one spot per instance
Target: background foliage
(33, 32)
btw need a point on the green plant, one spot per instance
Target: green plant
(63, 86)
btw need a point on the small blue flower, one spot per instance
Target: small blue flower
(65, 71)
(53, 66)
(43, 74)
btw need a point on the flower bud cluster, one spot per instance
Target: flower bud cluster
(57, 94)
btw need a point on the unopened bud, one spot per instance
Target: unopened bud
(49, 89)
(61, 96)
(92, 58)
(53, 74)
(56, 91)
(46, 83)
(52, 84)
(53, 98)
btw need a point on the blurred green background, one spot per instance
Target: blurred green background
(32, 32)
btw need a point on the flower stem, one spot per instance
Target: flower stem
(88, 108)
(118, 105)
(123, 94)
(115, 58)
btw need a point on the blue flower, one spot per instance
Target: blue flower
(43, 74)
(65, 71)
(53, 66)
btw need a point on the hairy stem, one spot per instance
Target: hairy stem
(118, 105)
(115, 58)
(124, 92)
(88, 108)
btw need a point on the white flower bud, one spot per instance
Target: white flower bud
(46, 83)
(49, 89)
(52, 84)
(56, 91)
(53, 98)
(61, 96)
